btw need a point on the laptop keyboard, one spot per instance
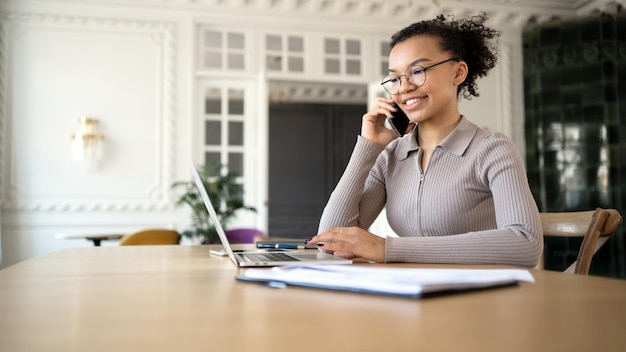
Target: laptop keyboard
(270, 257)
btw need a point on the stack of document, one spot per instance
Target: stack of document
(406, 282)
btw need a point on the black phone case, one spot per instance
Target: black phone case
(400, 122)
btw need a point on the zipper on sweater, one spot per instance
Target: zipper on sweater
(418, 199)
(419, 167)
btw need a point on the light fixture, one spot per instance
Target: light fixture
(87, 143)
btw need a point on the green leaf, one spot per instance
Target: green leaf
(225, 193)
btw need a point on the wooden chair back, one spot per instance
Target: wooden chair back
(150, 237)
(595, 227)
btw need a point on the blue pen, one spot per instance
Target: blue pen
(279, 246)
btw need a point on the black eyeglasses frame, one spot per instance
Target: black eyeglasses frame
(405, 75)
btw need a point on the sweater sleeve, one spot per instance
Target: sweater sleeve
(351, 204)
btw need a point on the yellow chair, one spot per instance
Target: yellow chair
(150, 237)
(595, 227)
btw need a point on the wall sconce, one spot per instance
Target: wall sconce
(87, 143)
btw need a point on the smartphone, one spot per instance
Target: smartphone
(400, 122)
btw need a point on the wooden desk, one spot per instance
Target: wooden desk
(180, 298)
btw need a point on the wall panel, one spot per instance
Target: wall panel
(117, 71)
(54, 69)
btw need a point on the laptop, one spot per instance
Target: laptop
(261, 257)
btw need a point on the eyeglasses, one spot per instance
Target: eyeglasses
(415, 75)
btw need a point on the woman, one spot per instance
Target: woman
(454, 193)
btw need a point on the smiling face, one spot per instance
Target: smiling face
(434, 102)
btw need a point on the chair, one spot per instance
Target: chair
(244, 235)
(150, 237)
(595, 227)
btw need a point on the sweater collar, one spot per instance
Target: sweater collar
(456, 142)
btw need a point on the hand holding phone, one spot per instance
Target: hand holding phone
(400, 122)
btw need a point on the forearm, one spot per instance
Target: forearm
(499, 246)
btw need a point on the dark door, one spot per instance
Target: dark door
(309, 147)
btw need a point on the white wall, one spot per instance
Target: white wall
(128, 69)
(132, 67)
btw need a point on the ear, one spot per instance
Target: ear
(461, 73)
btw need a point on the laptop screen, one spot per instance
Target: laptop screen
(212, 214)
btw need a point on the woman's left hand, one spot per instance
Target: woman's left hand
(351, 242)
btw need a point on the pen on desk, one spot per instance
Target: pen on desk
(279, 246)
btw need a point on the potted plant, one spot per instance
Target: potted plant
(225, 194)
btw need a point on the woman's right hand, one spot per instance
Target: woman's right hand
(373, 125)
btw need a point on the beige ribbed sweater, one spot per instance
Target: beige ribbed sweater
(472, 205)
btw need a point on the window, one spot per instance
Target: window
(343, 56)
(223, 130)
(284, 53)
(221, 50)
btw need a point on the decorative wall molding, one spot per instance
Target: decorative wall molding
(504, 12)
(163, 35)
(285, 92)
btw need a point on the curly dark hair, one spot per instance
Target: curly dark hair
(467, 40)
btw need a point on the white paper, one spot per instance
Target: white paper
(396, 281)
